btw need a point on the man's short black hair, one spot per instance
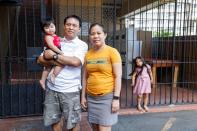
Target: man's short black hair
(75, 17)
(46, 22)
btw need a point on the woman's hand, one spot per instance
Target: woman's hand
(115, 105)
(83, 103)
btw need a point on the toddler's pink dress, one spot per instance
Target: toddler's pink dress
(142, 83)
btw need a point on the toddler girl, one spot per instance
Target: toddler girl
(52, 42)
(141, 80)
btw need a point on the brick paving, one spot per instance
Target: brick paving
(35, 123)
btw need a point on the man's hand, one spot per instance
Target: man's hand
(47, 59)
(42, 61)
(48, 54)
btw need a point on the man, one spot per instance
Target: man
(62, 98)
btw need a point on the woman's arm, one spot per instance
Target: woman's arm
(49, 42)
(117, 71)
(84, 83)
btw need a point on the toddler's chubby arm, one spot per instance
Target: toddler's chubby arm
(49, 42)
(61, 39)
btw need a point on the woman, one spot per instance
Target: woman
(101, 81)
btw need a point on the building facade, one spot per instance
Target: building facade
(21, 41)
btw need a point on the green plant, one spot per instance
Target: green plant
(162, 33)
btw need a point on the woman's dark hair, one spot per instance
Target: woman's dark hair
(46, 23)
(94, 24)
(75, 17)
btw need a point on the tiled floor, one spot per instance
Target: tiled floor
(160, 101)
(161, 95)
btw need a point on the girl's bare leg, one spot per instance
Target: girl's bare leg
(139, 107)
(146, 102)
(44, 77)
(56, 71)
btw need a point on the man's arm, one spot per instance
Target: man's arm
(76, 60)
(61, 59)
(41, 60)
(47, 62)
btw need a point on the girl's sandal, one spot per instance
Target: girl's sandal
(146, 108)
(140, 109)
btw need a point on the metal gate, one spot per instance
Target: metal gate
(21, 41)
(162, 31)
(20, 37)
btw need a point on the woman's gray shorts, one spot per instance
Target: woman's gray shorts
(100, 110)
(59, 104)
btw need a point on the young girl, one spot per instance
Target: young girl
(52, 42)
(141, 80)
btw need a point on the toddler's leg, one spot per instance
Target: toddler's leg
(56, 71)
(139, 99)
(146, 102)
(44, 77)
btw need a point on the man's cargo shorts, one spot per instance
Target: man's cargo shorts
(59, 104)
